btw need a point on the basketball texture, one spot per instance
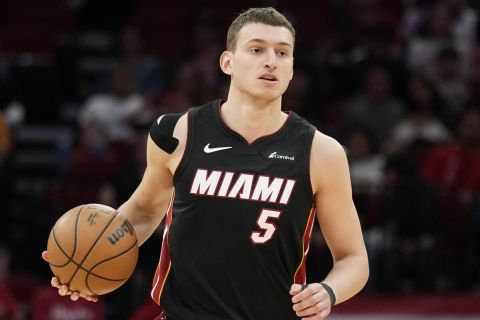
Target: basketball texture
(92, 249)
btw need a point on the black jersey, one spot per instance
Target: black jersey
(239, 223)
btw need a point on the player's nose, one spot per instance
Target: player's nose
(271, 60)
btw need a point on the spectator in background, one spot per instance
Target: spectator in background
(116, 112)
(365, 14)
(436, 32)
(431, 34)
(94, 162)
(299, 92)
(464, 24)
(421, 126)
(375, 108)
(456, 167)
(454, 170)
(187, 89)
(366, 164)
(196, 78)
(147, 71)
(366, 173)
(385, 48)
(341, 60)
(409, 219)
(450, 82)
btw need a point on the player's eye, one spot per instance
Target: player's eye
(256, 50)
(283, 53)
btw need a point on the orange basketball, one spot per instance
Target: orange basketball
(92, 249)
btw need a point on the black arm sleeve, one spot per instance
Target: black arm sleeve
(161, 132)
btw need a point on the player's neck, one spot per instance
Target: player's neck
(252, 118)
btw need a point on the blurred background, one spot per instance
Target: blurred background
(396, 82)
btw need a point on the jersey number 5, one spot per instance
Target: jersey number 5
(268, 228)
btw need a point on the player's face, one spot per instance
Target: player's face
(262, 64)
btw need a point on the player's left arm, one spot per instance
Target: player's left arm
(341, 229)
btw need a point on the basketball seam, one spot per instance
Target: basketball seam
(70, 258)
(79, 266)
(76, 231)
(89, 272)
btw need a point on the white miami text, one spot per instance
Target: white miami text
(226, 184)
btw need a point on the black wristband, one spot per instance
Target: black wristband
(330, 292)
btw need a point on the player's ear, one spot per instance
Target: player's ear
(226, 62)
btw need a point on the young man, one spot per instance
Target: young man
(241, 190)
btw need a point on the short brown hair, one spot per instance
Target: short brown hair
(268, 16)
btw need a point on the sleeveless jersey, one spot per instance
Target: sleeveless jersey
(239, 223)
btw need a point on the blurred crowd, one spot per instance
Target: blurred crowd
(396, 82)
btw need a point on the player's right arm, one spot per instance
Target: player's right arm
(147, 206)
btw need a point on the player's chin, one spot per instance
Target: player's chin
(269, 94)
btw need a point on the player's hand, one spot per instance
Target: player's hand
(64, 290)
(311, 303)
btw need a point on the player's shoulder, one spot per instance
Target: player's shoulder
(201, 111)
(162, 131)
(326, 149)
(328, 160)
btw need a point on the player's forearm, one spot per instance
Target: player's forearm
(348, 276)
(145, 222)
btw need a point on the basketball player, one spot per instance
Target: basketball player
(240, 183)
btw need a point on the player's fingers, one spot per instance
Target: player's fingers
(54, 282)
(322, 315)
(316, 309)
(306, 292)
(89, 298)
(295, 289)
(74, 296)
(316, 298)
(325, 313)
(45, 255)
(64, 290)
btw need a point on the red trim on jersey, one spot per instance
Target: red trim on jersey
(163, 268)
(300, 276)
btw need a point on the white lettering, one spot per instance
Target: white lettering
(274, 155)
(265, 191)
(205, 185)
(227, 180)
(238, 185)
(243, 183)
(287, 191)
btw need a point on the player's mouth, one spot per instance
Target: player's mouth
(269, 77)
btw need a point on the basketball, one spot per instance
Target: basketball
(92, 249)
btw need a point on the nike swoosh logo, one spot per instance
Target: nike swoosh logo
(207, 149)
